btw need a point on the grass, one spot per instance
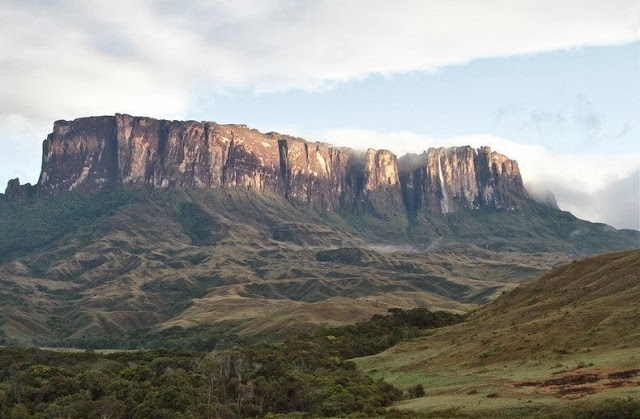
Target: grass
(492, 392)
(580, 319)
(31, 226)
(183, 254)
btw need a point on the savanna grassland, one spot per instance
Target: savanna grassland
(564, 342)
(95, 270)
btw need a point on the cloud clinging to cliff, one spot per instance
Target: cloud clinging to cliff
(590, 186)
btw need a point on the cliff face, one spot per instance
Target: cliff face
(382, 183)
(447, 180)
(100, 153)
(80, 154)
(17, 192)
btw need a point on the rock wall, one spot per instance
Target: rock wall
(450, 179)
(101, 153)
(80, 155)
(17, 192)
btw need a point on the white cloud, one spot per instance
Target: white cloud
(21, 141)
(617, 203)
(65, 58)
(592, 186)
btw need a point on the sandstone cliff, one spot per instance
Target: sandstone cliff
(101, 153)
(17, 192)
(449, 179)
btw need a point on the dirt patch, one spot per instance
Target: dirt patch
(624, 375)
(574, 392)
(567, 380)
(619, 383)
(573, 385)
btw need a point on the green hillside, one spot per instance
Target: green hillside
(572, 334)
(89, 270)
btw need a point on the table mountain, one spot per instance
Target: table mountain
(101, 153)
(138, 224)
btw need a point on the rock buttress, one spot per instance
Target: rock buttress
(445, 180)
(17, 192)
(315, 173)
(382, 193)
(80, 155)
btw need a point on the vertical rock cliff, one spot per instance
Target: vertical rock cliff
(315, 174)
(382, 183)
(174, 154)
(80, 155)
(101, 153)
(450, 179)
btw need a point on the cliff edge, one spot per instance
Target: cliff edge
(97, 154)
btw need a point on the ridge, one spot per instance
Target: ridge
(101, 153)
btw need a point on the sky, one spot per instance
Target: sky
(554, 85)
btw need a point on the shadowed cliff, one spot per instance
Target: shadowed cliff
(103, 153)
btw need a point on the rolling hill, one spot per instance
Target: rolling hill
(77, 267)
(573, 333)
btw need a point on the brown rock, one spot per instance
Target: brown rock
(314, 173)
(100, 153)
(447, 180)
(382, 191)
(80, 155)
(17, 192)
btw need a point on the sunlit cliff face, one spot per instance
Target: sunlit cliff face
(100, 153)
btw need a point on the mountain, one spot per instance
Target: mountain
(573, 333)
(143, 224)
(102, 153)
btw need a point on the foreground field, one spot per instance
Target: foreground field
(553, 385)
(565, 341)
(309, 375)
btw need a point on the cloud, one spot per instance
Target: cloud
(623, 131)
(508, 111)
(590, 120)
(146, 56)
(539, 119)
(581, 116)
(592, 186)
(617, 203)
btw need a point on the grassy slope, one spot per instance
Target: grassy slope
(79, 265)
(579, 319)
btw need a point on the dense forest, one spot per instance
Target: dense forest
(310, 374)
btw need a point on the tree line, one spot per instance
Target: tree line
(310, 374)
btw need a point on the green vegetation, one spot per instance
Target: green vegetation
(381, 332)
(564, 345)
(534, 228)
(220, 270)
(308, 374)
(113, 266)
(203, 338)
(164, 384)
(29, 226)
(360, 339)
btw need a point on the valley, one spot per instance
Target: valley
(429, 285)
(255, 265)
